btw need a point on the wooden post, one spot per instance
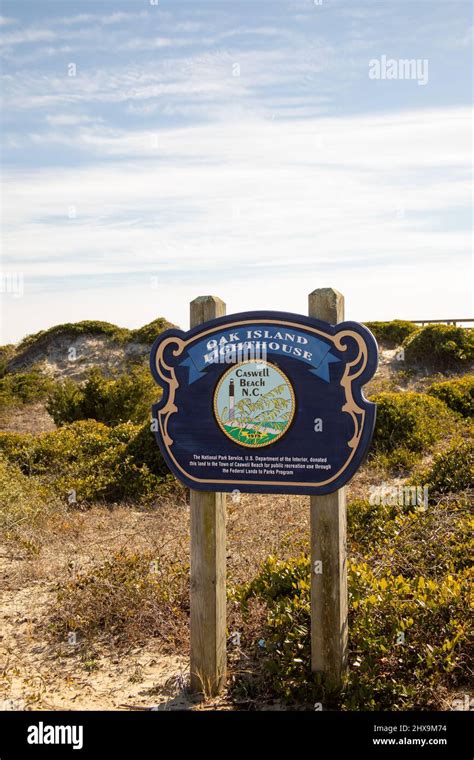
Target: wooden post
(329, 615)
(208, 562)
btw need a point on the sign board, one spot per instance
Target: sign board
(264, 402)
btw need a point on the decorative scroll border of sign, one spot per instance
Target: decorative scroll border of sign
(165, 409)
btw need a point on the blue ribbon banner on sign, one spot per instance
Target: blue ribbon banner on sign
(255, 340)
(264, 402)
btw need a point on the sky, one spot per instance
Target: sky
(158, 150)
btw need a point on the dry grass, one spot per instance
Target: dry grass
(30, 418)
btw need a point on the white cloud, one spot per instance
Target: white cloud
(27, 36)
(116, 17)
(69, 119)
(355, 192)
(412, 140)
(461, 40)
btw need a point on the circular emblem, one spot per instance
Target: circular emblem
(254, 403)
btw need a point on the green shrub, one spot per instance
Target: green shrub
(452, 470)
(132, 597)
(408, 629)
(125, 399)
(440, 347)
(367, 522)
(458, 394)
(22, 499)
(75, 329)
(392, 333)
(6, 353)
(410, 421)
(411, 540)
(149, 332)
(409, 637)
(87, 460)
(399, 462)
(24, 388)
(145, 334)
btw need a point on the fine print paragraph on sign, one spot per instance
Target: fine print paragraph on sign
(259, 465)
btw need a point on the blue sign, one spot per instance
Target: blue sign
(264, 402)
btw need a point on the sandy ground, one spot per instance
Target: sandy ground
(36, 675)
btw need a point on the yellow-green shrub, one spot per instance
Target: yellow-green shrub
(440, 347)
(149, 332)
(424, 540)
(127, 398)
(74, 330)
(452, 470)
(92, 460)
(412, 421)
(409, 580)
(24, 388)
(6, 353)
(407, 637)
(392, 333)
(458, 394)
(22, 499)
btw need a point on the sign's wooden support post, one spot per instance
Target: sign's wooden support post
(329, 621)
(208, 562)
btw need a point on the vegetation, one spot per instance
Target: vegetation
(22, 499)
(452, 470)
(125, 399)
(440, 347)
(145, 334)
(75, 330)
(392, 334)
(409, 615)
(21, 388)
(6, 353)
(409, 563)
(87, 460)
(458, 394)
(132, 596)
(149, 332)
(409, 421)
(38, 342)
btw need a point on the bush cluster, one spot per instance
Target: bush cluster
(440, 347)
(145, 334)
(6, 353)
(73, 330)
(409, 421)
(149, 332)
(409, 616)
(392, 334)
(22, 499)
(87, 460)
(452, 470)
(458, 394)
(21, 388)
(111, 401)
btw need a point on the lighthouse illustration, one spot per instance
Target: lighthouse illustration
(231, 400)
